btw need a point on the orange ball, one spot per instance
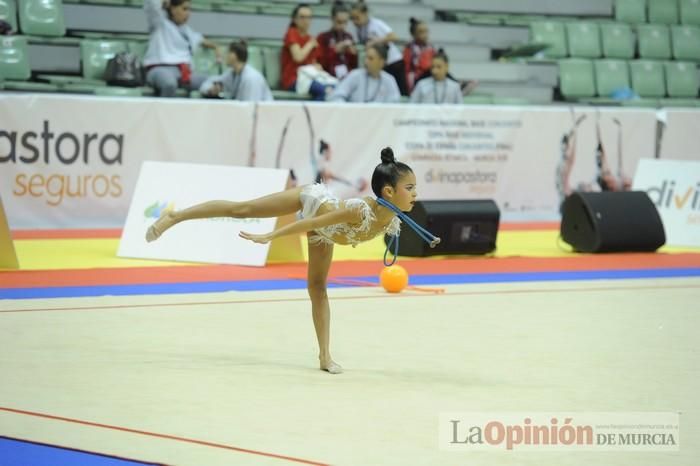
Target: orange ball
(394, 278)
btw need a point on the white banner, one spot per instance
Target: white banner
(80, 172)
(73, 162)
(674, 187)
(174, 186)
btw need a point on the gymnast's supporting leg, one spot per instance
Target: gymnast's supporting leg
(320, 257)
(273, 205)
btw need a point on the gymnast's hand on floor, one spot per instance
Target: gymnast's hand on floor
(262, 239)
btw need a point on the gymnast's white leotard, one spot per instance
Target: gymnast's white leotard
(318, 196)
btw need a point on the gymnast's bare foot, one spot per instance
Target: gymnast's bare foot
(330, 366)
(165, 221)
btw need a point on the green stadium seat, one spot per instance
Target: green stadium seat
(646, 103)
(477, 99)
(487, 19)
(511, 101)
(690, 12)
(524, 51)
(255, 58)
(113, 91)
(631, 11)
(618, 40)
(95, 54)
(280, 9)
(79, 87)
(681, 79)
(138, 48)
(685, 103)
(648, 78)
(8, 12)
(552, 33)
(204, 62)
(54, 41)
(109, 2)
(287, 95)
(686, 42)
(26, 86)
(265, 42)
(576, 78)
(522, 20)
(663, 11)
(273, 66)
(584, 39)
(201, 5)
(654, 41)
(62, 80)
(14, 63)
(14, 66)
(611, 75)
(237, 7)
(42, 18)
(461, 16)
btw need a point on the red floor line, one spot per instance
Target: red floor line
(164, 436)
(205, 273)
(68, 233)
(344, 298)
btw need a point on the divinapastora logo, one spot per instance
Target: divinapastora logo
(48, 155)
(669, 195)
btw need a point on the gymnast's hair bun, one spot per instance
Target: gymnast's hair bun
(388, 155)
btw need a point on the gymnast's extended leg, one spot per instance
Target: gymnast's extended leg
(273, 205)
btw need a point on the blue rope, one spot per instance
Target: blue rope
(428, 237)
(395, 242)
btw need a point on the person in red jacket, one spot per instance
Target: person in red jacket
(418, 54)
(338, 52)
(418, 58)
(300, 48)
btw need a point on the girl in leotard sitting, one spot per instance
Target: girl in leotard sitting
(325, 219)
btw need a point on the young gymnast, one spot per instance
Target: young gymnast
(326, 220)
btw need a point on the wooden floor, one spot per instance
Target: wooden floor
(231, 378)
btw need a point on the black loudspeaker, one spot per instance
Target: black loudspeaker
(611, 221)
(464, 227)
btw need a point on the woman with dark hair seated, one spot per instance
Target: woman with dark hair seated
(301, 48)
(168, 59)
(418, 58)
(338, 52)
(370, 84)
(241, 81)
(438, 88)
(371, 31)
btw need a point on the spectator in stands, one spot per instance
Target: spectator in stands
(418, 58)
(370, 84)
(300, 48)
(338, 52)
(241, 81)
(418, 54)
(168, 59)
(372, 31)
(438, 88)
(5, 28)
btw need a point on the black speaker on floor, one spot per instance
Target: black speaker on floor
(464, 227)
(611, 221)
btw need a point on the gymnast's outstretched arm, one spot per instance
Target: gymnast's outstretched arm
(308, 224)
